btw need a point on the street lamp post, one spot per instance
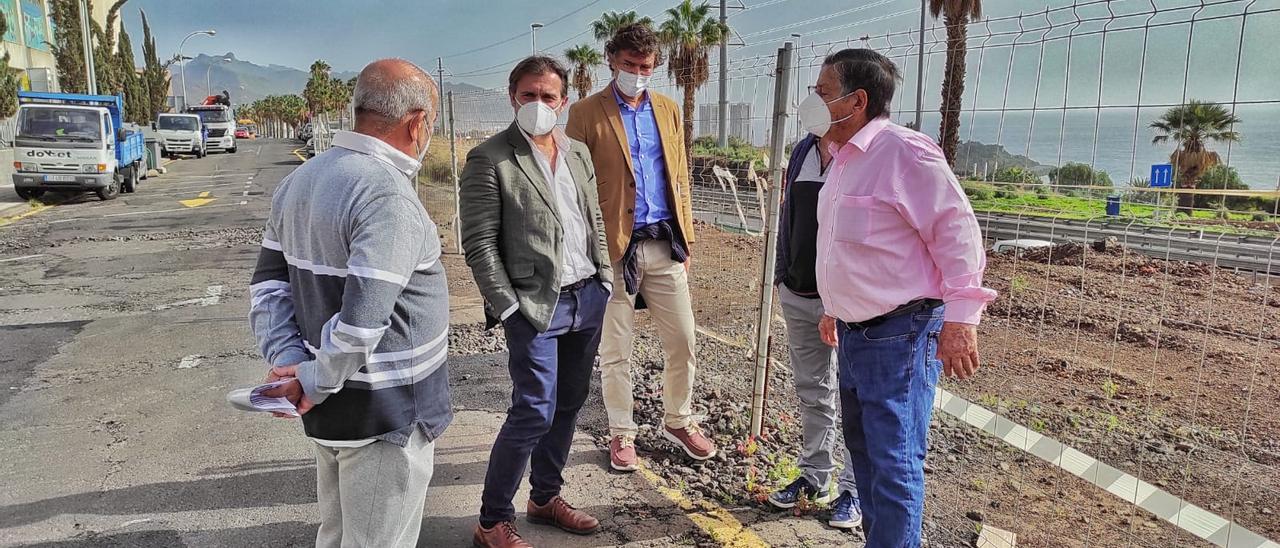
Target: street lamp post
(183, 72)
(533, 33)
(207, 84)
(91, 76)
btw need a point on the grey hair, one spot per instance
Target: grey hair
(391, 98)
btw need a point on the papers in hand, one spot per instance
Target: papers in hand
(252, 399)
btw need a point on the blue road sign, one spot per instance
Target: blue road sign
(1161, 175)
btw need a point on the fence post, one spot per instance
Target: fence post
(777, 148)
(453, 169)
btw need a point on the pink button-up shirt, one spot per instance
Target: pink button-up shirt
(895, 226)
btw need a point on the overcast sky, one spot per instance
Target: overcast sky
(350, 33)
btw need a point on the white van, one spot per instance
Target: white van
(181, 134)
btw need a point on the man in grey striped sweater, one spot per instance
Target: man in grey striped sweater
(350, 304)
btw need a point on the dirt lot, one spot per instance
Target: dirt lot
(1165, 370)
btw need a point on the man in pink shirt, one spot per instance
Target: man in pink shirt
(899, 269)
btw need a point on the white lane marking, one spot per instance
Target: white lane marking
(214, 176)
(16, 259)
(133, 213)
(189, 362)
(212, 296)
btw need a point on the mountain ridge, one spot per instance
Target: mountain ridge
(247, 81)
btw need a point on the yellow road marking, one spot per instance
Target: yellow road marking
(711, 518)
(300, 157)
(4, 221)
(203, 199)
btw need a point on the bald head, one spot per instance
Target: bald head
(388, 91)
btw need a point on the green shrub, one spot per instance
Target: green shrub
(737, 151)
(1016, 175)
(1261, 217)
(978, 191)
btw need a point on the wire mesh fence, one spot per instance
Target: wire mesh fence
(1129, 392)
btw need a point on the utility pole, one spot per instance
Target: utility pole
(440, 71)
(722, 133)
(920, 70)
(90, 74)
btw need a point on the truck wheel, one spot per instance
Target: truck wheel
(233, 150)
(111, 191)
(29, 193)
(130, 183)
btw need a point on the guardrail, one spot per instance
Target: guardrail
(1242, 252)
(1250, 253)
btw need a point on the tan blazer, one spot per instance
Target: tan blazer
(597, 121)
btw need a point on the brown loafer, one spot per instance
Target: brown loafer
(502, 535)
(561, 514)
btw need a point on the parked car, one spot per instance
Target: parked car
(242, 132)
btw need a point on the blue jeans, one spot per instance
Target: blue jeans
(888, 376)
(550, 378)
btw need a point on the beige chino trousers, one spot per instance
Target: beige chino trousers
(664, 284)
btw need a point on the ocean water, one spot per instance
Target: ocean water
(1117, 140)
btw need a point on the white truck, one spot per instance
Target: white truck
(221, 126)
(181, 134)
(75, 142)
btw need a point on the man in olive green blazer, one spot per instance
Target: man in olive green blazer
(535, 242)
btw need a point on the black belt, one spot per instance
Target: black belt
(909, 308)
(576, 285)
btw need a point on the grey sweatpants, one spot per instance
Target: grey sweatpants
(372, 496)
(813, 366)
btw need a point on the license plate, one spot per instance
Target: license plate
(60, 178)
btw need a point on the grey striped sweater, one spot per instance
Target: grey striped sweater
(349, 284)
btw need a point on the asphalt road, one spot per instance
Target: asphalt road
(123, 324)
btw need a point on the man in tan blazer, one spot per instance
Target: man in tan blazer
(637, 145)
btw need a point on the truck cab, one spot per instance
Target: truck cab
(74, 142)
(221, 125)
(181, 134)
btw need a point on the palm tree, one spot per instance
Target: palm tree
(1192, 126)
(584, 59)
(956, 14)
(610, 21)
(689, 33)
(318, 92)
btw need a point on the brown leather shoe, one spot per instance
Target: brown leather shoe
(502, 535)
(622, 453)
(559, 513)
(691, 439)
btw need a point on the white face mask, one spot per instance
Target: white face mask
(631, 85)
(422, 153)
(815, 117)
(536, 118)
